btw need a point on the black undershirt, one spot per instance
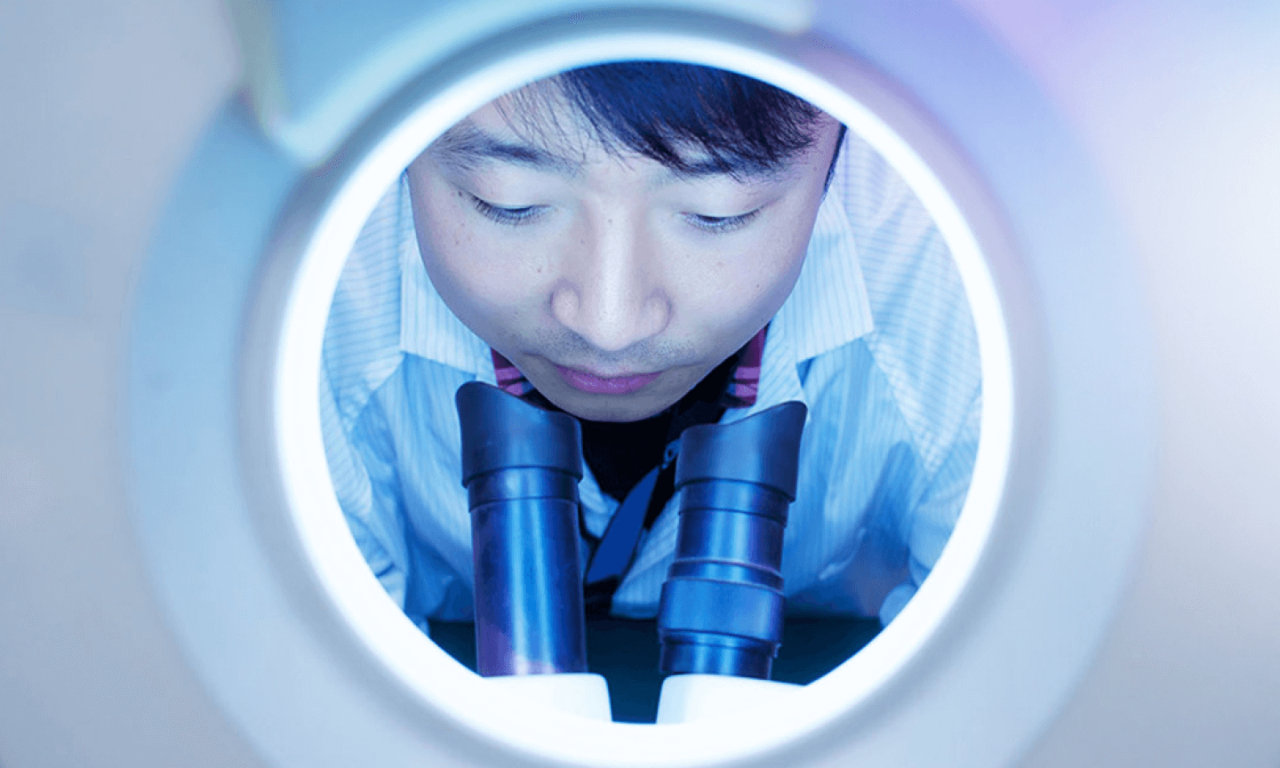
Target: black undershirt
(621, 452)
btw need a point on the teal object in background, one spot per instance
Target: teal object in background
(316, 69)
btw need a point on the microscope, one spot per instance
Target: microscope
(721, 609)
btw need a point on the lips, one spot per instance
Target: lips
(605, 385)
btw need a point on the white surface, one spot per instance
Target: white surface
(584, 695)
(693, 698)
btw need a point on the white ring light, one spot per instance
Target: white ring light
(439, 681)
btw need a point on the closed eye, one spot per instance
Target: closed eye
(721, 224)
(505, 215)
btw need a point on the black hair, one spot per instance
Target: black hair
(657, 108)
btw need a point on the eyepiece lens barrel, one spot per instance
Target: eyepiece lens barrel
(722, 603)
(521, 466)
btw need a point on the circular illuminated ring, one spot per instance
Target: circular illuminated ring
(295, 639)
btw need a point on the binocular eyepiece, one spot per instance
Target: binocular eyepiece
(721, 605)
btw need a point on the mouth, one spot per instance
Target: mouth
(585, 381)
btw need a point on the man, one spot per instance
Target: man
(648, 246)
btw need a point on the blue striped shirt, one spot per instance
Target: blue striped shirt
(876, 339)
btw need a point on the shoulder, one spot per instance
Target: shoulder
(362, 335)
(923, 342)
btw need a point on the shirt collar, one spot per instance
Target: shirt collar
(827, 308)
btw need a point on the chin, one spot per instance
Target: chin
(605, 408)
(617, 412)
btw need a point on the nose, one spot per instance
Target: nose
(612, 293)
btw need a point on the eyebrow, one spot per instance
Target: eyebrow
(745, 170)
(466, 145)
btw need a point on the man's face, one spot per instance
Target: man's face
(614, 284)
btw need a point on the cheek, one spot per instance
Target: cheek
(474, 270)
(746, 287)
(448, 253)
(778, 257)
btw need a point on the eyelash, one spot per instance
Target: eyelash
(509, 216)
(722, 224)
(517, 216)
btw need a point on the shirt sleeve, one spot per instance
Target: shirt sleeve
(362, 467)
(935, 516)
